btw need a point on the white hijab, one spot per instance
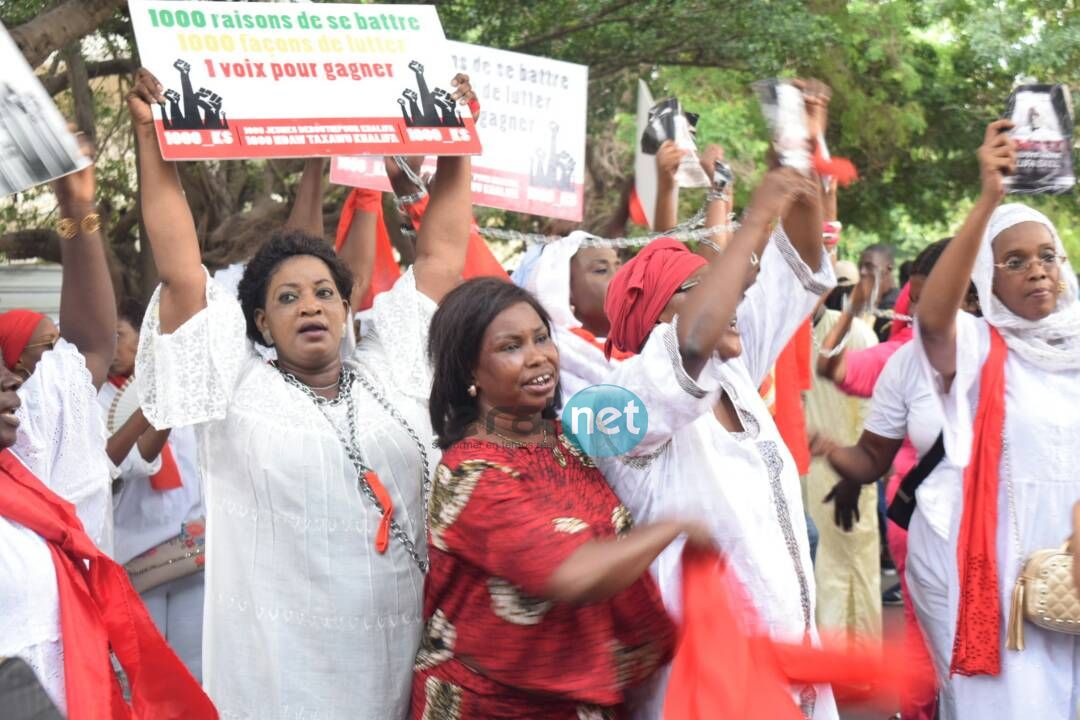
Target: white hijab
(545, 272)
(1052, 343)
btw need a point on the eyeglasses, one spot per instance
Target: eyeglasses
(1015, 266)
(688, 285)
(47, 344)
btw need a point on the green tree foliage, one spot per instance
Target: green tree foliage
(914, 84)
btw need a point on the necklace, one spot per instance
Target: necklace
(555, 451)
(316, 388)
(352, 449)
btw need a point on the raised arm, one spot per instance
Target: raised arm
(87, 304)
(307, 210)
(710, 306)
(717, 206)
(136, 431)
(165, 213)
(358, 252)
(666, 213)
(444, 235)
(835, 368)
(804, 218)
(946, 287)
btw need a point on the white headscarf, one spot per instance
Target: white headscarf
(545, 272)
(1052, 343)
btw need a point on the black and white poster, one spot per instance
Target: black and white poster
(1042, 130)
(35, 144)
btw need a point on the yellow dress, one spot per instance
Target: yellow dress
(848, 564)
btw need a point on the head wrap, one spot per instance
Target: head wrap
(16, 329)
(642, 288)
(545, 272)
(1052, 343)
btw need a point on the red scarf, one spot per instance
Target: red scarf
(754, 675)
(168, 477)
(99, 611)
(16, 329)
(642, 288)
(977, 647)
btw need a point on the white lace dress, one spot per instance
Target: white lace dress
(303, 618)
(61, 439)
(744, 486)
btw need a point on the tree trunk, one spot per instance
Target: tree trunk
(60, 26)
(79, 82)
(120, 66)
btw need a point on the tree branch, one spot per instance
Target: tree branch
(585, 24)
(61, 26)
(119, 66)
(40, 243)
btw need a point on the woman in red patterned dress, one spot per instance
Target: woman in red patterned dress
(539, 603)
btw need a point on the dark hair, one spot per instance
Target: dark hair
(928, 257)
(283, 245)
(457, 329)
(905, 271)
(132, 311)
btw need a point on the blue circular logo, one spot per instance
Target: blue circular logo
(605, 420)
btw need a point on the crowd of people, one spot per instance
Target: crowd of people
(316, 486)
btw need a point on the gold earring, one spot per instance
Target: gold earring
(1062, 287)
(472, 390)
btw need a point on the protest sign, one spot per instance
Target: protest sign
(257, 80)
(1043, 132)
(35, 144)
(644, 165)
(533, 126)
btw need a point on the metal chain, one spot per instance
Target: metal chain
(348, 375)
(1007, 466)
(690, 231)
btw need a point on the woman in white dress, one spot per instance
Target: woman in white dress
(315, 467)
(711, 451)
(1009, 384)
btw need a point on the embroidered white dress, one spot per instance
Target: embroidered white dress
(742, 485)
(61, 439)
(1042, 426)
(304, 619)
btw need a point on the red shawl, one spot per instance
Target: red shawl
(99, 612)
(977, 647)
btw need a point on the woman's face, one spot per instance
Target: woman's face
(127, 344)
(517, 370)
(304, 313)
(44, 338)
(1030, 292)
(591, 270)
(9, 402)
(730, 343)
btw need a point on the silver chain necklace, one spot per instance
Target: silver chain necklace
(352, 449)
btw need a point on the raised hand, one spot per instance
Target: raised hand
(816, 96)
(145, 92)
(668, 158)
(78, 188)
(709, 158)
(780, 188)
(997, 158)
(464, 94)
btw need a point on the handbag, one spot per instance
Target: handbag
(1044, 594)
(902, 506)
(173, 559)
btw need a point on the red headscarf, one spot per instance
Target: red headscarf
(100, 611)
(16, 328)
(640, 290)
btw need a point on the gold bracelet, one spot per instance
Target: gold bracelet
(67, 228)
